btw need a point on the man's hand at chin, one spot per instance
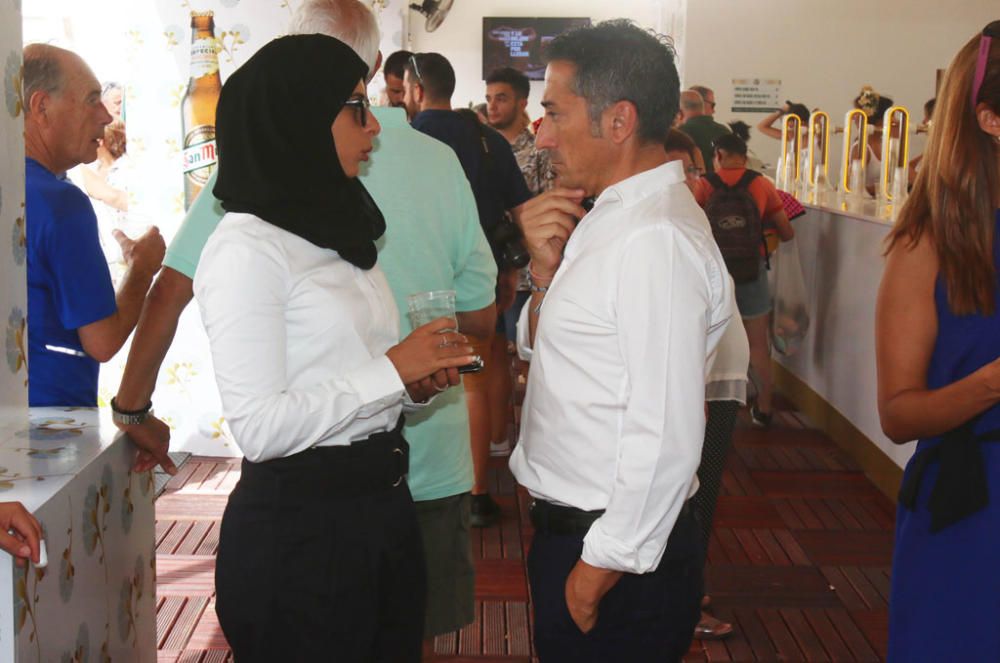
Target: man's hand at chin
(585, 587)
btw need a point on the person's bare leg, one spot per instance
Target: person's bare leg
(500, 387)
(760, 360)
(479, 437)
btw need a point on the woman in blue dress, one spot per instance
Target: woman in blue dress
(938, 343)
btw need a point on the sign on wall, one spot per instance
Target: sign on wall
(756, 95)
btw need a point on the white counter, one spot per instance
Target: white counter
(842, 263)
(96, 599)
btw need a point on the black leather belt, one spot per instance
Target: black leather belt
(377, 463)
(562, 520)
(568, 520)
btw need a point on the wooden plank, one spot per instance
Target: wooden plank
(181, 631)
(864, 588)
(769, 586)
(470, 641)
(519, 637)
(734, 551)
(210, 544)
(824, 514)
(864, 518)
(784, 643)
(494, 629)
(846, 592)
(162, 529)
(844, 548)
(861, 650)
(491, 548)
(814, 484)
(800, 629)
(510, 535)
(715, 650)
(201, 471)
(756, 635)
(191, 507)
(173, 538)
(809, 519)
(190, 656)
(446, 644)
(842, 513)
(730, 486)
(879, 578)
(166, 615)
(751, 546)
(217, 656)
(207, 633)
(194, 537)
(183, 474)
(791, 547)
(828, 635)
(746, 511)
(716, 554)
(770, 545)
(185, 575)
(788, 515)
(736, 644)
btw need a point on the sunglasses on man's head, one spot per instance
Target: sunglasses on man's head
(990, 32)
(416, 69)
(361, 106)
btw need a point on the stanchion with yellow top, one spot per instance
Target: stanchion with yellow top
(819, 155)
(895, 157)
(791, 136)
(852, 168)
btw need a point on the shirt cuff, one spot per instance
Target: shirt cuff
(376, 381)
(606, 552)
(524, 349)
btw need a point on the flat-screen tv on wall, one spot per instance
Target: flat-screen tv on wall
(520, 42)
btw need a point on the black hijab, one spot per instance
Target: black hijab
(277, 157)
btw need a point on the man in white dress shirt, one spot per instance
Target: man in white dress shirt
(626, 308)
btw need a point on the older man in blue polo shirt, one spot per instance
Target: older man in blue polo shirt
(75, 318)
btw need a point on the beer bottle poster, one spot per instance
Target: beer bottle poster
(198, 106)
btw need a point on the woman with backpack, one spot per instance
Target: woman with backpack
(739, 203)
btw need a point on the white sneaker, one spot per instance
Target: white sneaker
(501, 448)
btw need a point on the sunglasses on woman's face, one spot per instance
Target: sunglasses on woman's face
(361, 106)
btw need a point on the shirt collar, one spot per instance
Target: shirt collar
(650, 182)
(389, 117)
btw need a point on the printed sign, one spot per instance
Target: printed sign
(756, 95)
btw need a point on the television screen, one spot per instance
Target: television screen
(520, 42)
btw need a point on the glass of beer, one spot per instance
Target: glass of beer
(425, 307)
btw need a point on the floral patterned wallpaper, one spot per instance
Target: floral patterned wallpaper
(13, 293)
(95, 601)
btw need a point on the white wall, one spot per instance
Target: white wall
(825, 50)
(460, 37)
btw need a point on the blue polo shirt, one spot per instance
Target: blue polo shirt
(498, 186)
(69, 286)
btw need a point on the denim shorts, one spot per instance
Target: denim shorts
(754, 298)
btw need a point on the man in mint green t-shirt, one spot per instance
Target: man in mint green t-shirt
(433, 241)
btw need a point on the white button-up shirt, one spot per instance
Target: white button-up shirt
(298, 338)
(614, 414)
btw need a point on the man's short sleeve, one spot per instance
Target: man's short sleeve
(201, 220)
(80, 280)
(515, 189)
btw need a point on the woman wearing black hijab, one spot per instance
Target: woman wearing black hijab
(320, 555)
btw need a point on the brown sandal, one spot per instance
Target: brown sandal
(710, 628)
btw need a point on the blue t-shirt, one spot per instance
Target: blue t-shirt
(69, 286)
(499, 185)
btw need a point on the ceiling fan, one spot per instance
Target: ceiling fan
(434, 10)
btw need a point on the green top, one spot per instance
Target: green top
(703, 130)
(433, 241)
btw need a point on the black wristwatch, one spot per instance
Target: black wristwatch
(130, 417)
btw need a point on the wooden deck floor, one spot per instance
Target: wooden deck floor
(799, 559)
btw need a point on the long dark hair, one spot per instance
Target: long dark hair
(957, 190)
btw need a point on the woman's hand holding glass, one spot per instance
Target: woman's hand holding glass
(428, 359)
